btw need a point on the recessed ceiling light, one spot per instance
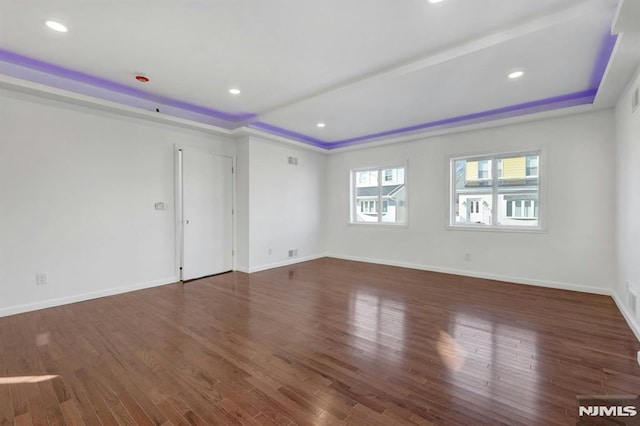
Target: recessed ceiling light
(435, 1)
(57, 26)
(234, 91)
(321, 125)
(516, 74)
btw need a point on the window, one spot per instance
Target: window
(520, 208)
(379, 196)
(532, 165)
(509, 201)
(483, 169)
(367, 178)
(368, 206)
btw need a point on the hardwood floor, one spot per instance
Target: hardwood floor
(321, 342)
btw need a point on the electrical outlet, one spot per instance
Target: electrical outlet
(41, 278)
(467, 257)
(293, 252)
(269, 251)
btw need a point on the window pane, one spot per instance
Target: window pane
(518, 191)
(517, 204)
(394, 195)
(473, 196)
(366, 192)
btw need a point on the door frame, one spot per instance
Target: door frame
(179, 207)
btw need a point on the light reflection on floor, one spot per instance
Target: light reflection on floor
(501, 355)
(452, 354)
(379, 320)
(26, 379)
(42, 339)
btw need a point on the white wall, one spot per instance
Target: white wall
(576, 252)
(243, 168)
(628, 203)
(78, 188)
(285, 203)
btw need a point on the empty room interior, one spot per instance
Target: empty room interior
(343, 212)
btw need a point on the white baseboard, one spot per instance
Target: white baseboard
(85, 296)
(474, 274)
(628, 316)
(280, 264)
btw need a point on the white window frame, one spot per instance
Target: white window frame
(355, 206)
(495, 226)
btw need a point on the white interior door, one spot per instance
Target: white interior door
(207, 188)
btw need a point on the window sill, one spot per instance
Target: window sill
(512, 229)
(380, 224)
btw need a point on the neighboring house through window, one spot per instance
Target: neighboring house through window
(512, 199)
(375, 188)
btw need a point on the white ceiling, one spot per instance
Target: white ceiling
(361, 66)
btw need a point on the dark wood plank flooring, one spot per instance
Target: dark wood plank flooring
(321, 342)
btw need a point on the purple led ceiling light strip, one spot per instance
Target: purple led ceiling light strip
(541, 105)
(81, 77)
(290, 134)
(548, 104)
(236, 120)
